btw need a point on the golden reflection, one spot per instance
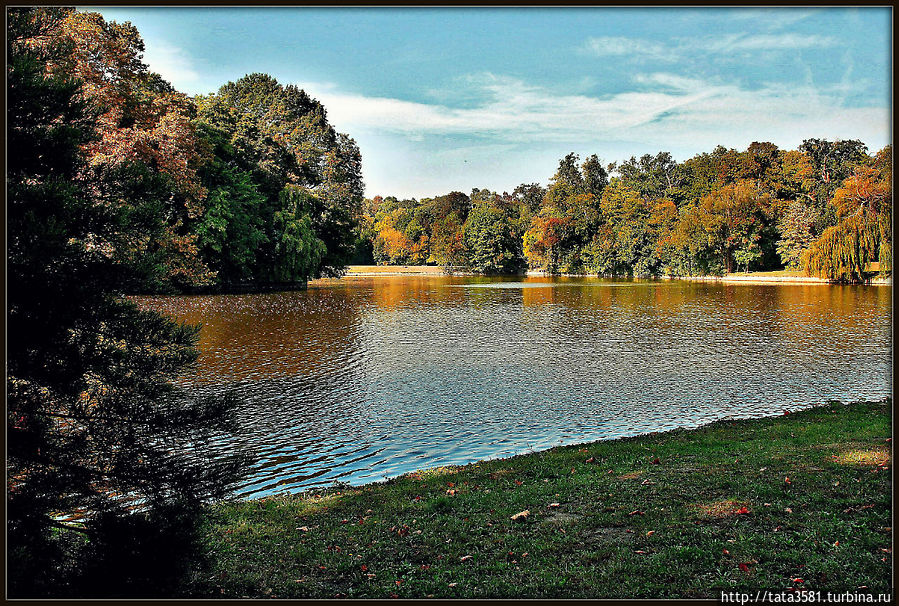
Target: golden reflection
(326, 329)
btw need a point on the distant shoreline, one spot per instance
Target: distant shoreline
(761, 277)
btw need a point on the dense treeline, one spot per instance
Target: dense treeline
(826, 208)
(247, 186)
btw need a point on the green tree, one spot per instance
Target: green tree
(95, 427)
(282, 137)
(490, 245)
(298, 250)
(231, 230)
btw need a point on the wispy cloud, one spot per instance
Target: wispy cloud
(772, 19)
(642, 49)
(606, 46)
(767, 42)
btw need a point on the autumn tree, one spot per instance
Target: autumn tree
(732, 220)
(146, 152)
(863, 205)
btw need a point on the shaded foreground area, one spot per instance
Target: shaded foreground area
(798, 501)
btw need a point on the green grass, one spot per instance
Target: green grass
(649, 517)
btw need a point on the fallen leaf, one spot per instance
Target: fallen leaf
(767, 504)
(744, 566)
(364, 568)
(553, 505)
(450, 484)
(787, 481)
(303, 528)
(451, 492)
(639, 551)
(399, 582)
(452, 584)
(521, 515)
(518, 482)
(725, 552)
(465, 558)
(886, 549)
(742, 510)
(656, 461)
(788, 510)
(649, 533)
(836, 543)
(797, 580)
(591, 460)
(636, 512)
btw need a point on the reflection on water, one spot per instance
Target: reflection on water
(364, 378)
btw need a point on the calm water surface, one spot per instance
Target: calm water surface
(359, 379)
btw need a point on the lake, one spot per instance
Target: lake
(364, 378)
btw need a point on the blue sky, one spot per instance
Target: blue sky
(452, 99)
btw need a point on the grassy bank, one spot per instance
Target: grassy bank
(801, 500)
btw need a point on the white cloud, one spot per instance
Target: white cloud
(668, 111)
(171, 63)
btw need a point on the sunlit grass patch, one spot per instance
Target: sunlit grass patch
(633, 475)
(721, 509)
(864, 456)
(436, 472)
(501, 472)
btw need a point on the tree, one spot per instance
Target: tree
(489, 243)
(298, 249)
(627, 213)
(146, 153)
(281, 136)
(654, 177)
(95, 428)
(863, 206)
(731, 218)
(799, 228)
(231, 230)
(543, 240)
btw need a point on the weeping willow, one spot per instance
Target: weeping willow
(863, 234)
